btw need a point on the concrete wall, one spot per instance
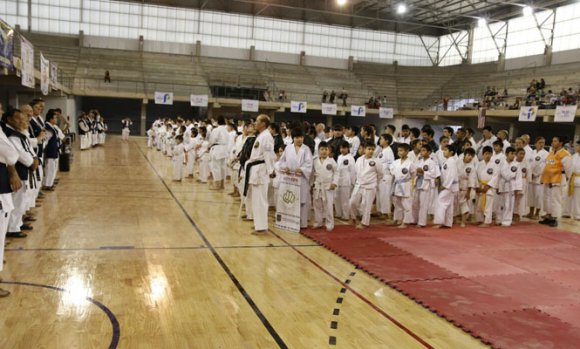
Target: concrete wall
(277, 57)
(168, 47)
(524, 62)
(224, 52)
(569, 56)
(112, 43)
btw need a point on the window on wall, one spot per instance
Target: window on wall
(567, 31)
(409, 50)
(485, 49)
(524, 36)
(453, 48)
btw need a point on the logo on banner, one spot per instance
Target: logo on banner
(329, 109)
(199, 100)
(528, 114)
(565, 113)
(298, 107)
(288, 204)
(250, 105)
(386, 113)
(358, 110)
(289, 197)
(164, 98)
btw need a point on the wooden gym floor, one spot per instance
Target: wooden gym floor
(121, 257)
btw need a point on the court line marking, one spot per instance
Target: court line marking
(336, 311)
(221, 262)
(360, 296)
(132, 248)
(112, 318)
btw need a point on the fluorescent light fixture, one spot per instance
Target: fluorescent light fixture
(401, 8)
(481, 22)
(528, 11)
(341, 2)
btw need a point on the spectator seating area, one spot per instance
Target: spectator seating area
(137, 74)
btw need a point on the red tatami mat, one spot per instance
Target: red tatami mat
(514, 287)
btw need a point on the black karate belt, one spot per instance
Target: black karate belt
(247, 179)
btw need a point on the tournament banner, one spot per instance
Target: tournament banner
(528, 114)
(298, 107)
(481, 118)
(27, 57)
(329, 109)
(44, 72)
(386, 113)
(288, 203)
(565, 113)
(6, 45)
(358, 110)
(53, 75)
(250, 105)
(164, 98)
(199, 101)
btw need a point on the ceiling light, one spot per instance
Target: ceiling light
(528, 11)
(401, 8)
(481, 22)
(341, 2)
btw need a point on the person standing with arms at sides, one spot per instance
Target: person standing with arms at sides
(403, 170)
(467, 174)
(325, 183)
(368, 173)
(574, 184)
(521, 197)
(179, 158)
(84, 131)
(126, 128)
(14, 125)
(510, 183)
(488, 177)
(259, 168)
(385, 189)
(450, 185)
(51, 151)
(536, 192)
(202, 149)
(297, 160)
(218, 153)
(558, 162)
(427, 173)
(346, 179)
(9, 182)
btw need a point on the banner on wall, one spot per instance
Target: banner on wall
(386, 113)
(358, 110)
(53, 75)
(44, 74)
(481, 118)
(165, 98)
(288, 203)
(6, 45)
(565, 113)
(27, 57)
(250, 105)
(199, 101)
(298, 107)
(329, 109)
(528, 114)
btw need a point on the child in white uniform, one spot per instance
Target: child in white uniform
(346, 179)
(385, 190)
(488, 177)
(325, 183)
(521, 198)
(368, 174)
(510, 182)
(403, 170)
(450, 185)
(179, 156)
(536, 188)
(427, 173)
(203, 156)
(574, 184)
(467, 173)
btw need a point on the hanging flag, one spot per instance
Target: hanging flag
(6, 45)
(565, 113)
(528, 114)
(53, 75)
(27, 58)
(44, 74)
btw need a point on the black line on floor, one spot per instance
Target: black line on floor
(222, 263)
(127, 248)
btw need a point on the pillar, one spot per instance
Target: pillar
(81, 38)
(141, 42)
(548, 55)
(143, 129)
(501, 62)
(198, 48)
(302, 58)
(350, 63)
(252, 53)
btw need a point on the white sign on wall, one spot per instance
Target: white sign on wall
(565, 113)
(27, 69)
(199, 101)
(386, 113)
(528, 114)
(164, 98)
(358, 110)
(250, 105)
(329, 109)
(298, 107)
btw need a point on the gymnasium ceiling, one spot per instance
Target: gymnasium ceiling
(428, 17)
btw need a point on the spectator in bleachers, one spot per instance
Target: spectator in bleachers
(332, 96)
(343, 96)
(384, 101)
(324, 96)
(107, 77)
(445, 103)
(541, 84)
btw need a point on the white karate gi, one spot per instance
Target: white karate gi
(203, 156)
(385, 191)
(346, 180)
(510, 180)
(575, 188)
(85, 142)
(8, 156)
(446, 199)
(368, 173)
(126, 130)
(521, 206)
(467, 176)
(325, 175)
(487, 174)
(497, 159)
(403, 172)
(424, 185)
(179, 154)
(302, 160)
(218, 142)
(354, 144)
(536, 188)
(20, 198)
(259, 178)
(483, 143)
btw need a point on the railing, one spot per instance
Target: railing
(137, 87)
